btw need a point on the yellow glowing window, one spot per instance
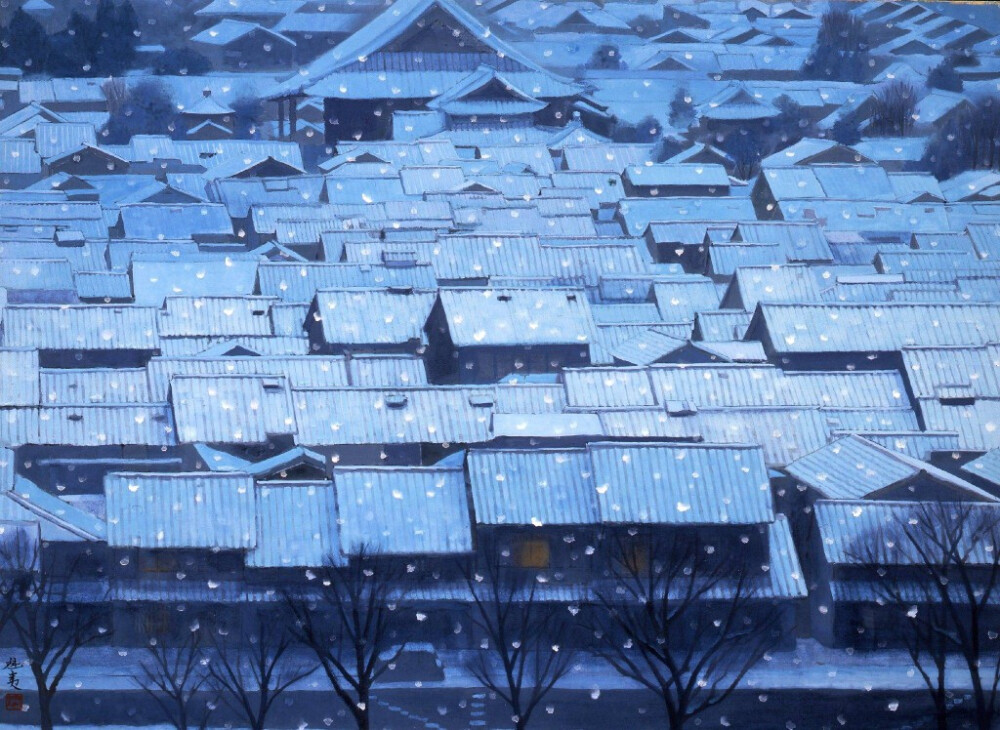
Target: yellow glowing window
(532, 554)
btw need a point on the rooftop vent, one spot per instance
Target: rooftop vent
(396, 400)
(482, 400)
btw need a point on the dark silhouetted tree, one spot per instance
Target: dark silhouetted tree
(83, 40)
(666, 147)
(965, 57)
(605, 57)
(646, 131)
(524, 651)
(790, 125)
(746, 149)
(353, 623)
(248, 113)
(937, 570)
(254, 668)
(846, 130)
(182, 62)
(943, 76)
(26, 44)
(681, 620)
(172, 676)
(892, 115)
(51, 627)
(841, 51)
(118, 49)
(644, 25)
(682, 113)
(145, 108)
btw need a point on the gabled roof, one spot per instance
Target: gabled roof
(217, 130)
(754, 284)
(296, 526)
(735, 103)
(26, 119)
(825, 328)
(669, 484)
(403, 511)
(207, 106)
(985, 467)
(486, 91)
(180, 510)
(23, 500)
(533, 487)
(231, 409)
(812, 151)
(226, 31)
(389, 25)
(54, 139)
(372, 317)
(517, 317)
(261, 8)
(855, 468)
(852, 529)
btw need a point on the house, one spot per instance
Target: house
(375, 71)
(85, 335)
(482, 335)
(865, 335)
(265, 12)
(20, 163)
(847, 604)
(231, 43)
(985, 471)
(208, 119)
(813, 151)
(682, 179)
(388, 321)
(317, 30)
(200, 222)
(754, 284)
(540, 505)
(232, 409)
(735, 107)
(170, 536)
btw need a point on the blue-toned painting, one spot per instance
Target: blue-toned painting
(499, 364)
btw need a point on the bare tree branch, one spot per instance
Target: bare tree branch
(680, 621)
(254, 672)
(354, 620)
(938, 566)
(525, 651)
(172, 676)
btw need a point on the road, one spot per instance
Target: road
(467, 709)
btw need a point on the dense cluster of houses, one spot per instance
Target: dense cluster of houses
(437, 307)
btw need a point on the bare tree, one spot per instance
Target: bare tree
(172, 676)
(116, 93)
(52, 627)
(893, 109)
(525, 650)
(352, 623)
(252, 674)
(939, 563)
(19, 544)
(681, 620)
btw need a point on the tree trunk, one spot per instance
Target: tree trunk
(364, 710)
(940, 714)
(984, 720)
(44, 710)
(940, 692)
(44, 697)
